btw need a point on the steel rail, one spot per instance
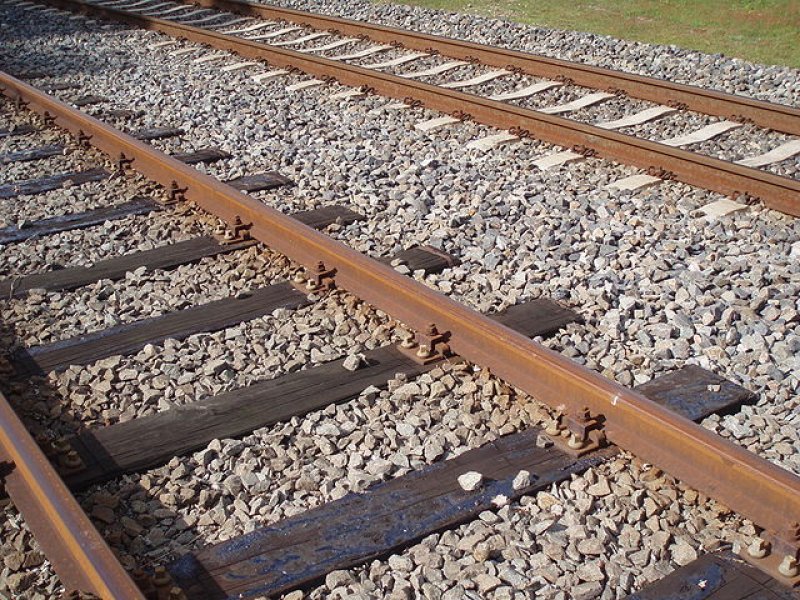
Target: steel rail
(80, 556)
(779, 193)
(746, 483)
(780, 117)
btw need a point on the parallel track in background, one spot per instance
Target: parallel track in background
(662, 160)
(770, 115)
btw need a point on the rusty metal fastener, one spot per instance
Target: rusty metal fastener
(83, 138)
(519, 132)
(123, 163)
(408, 341)
(576, 442)
(72, 460)
(176, 193)
(48, 119)
(587, 152)
(661, 173)
(759, 548)
(176, 593)
(433, 341)
(320, 277)
(789, 566)
(741, 119)
(554, 427)
(241, 229)
(582, 430)
(161, 577)
(61, 446)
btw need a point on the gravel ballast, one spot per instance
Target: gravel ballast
(658, 286)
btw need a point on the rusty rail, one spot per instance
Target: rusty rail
(80, 556)
(754, 487)
(779, 117)
(779, 193)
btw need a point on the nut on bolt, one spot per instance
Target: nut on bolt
(161, 578)
(423, 351)
(554, 427)
(72, 460)
(789, 566)
(759, 548)
(576, 442)
(408, 341)
(176, 593)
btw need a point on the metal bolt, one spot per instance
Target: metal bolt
(61, 446)
(431, 330)
(176, 593)
(408, 342)
(575, 442)
(759, 548)
(789, 566)
(423, 351)
(72, 460)
(299, 277)
(161, 579)
(553, 428)
(311, 284)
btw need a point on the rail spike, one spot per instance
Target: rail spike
(427, 346)
(777, 553)
(318, 279)
(577, 432)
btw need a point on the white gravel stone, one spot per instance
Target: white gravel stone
(470, 481)
(521, 480)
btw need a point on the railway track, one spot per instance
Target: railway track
(643, 422)
(521, 94)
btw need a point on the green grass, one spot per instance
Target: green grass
(764, 31)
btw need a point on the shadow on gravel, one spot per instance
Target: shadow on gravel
(129, 513)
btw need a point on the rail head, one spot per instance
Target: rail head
(748, 484)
